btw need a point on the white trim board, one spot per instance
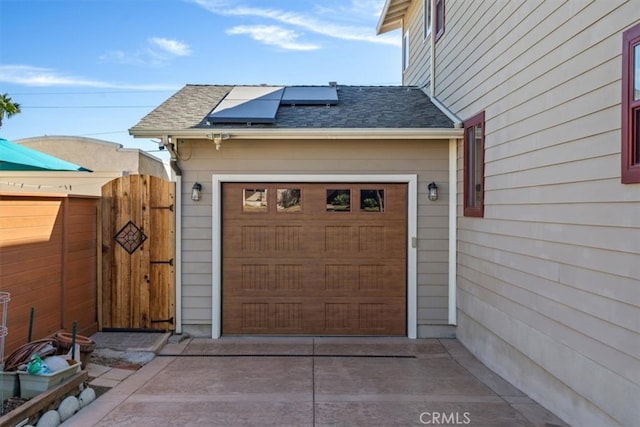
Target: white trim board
(412, 234)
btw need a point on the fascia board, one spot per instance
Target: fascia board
(326, 133)
(383, 26)
(387, 23)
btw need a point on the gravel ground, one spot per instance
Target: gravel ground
(10, 404)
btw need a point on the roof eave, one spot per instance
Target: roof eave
(392, 15)
(320, 133)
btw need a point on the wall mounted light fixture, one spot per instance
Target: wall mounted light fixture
(433, 191)
(195, 191)
(217, 138)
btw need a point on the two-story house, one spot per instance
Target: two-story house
(547, 274)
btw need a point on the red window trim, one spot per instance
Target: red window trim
(438, 31)
(630, 168)
(473, 211)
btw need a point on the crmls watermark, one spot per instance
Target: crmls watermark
(445, 418)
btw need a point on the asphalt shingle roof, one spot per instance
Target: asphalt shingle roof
(358, 107)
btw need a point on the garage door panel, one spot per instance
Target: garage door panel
(306, 316)
(260, 239)
(319, 259)
(277, 279)
(286, 277)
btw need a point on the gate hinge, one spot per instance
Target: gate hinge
(170, 321)
(170, 262)
(170, 207)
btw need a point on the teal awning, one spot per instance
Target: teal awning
(15, 157)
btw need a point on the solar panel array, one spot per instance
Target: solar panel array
(310, 95)
(259, 104)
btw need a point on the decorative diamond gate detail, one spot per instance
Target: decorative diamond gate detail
(130, 237)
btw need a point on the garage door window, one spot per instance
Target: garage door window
(289, 200)
(255, 200)
(338, 200)
(372, 200)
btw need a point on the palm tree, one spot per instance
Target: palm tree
(8, 107)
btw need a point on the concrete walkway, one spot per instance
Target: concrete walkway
(314, 382)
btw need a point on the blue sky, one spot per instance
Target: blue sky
(95, 67)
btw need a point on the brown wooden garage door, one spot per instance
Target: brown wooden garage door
(314, 259)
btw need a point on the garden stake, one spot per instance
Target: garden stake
(33, 311)
(73, 341)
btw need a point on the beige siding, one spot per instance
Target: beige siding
(548, 279)
(419, 71)
(427, 159)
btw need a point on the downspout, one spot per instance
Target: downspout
(173, 163)
(432, 59)
(453, 230)
(453, 213)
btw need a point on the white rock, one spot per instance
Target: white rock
(49, 419)
(68, 407)
(87, 396)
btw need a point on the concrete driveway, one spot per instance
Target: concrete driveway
(314, 382)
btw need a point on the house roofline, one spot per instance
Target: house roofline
(392, 15)
(321, 133)
(457, 122)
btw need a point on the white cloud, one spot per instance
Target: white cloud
(311, 23)
(274, 36)
(28, 75)
(172, 47)
(121, 57)
(159, 52)
(354, 10)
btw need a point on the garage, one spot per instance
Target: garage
(319, 258)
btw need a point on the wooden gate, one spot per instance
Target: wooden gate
(138, 253)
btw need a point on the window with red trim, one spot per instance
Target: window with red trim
(631, 105)
(474, 166)
(439, 18)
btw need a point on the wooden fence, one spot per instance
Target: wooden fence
(49, 261)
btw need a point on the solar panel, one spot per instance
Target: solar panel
(248, 104)
(239, 111)
(259, 104)
(310, 95)
(256, 92)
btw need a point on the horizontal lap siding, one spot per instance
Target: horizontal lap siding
(556, 257)
(419, 71)
(427, 159)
